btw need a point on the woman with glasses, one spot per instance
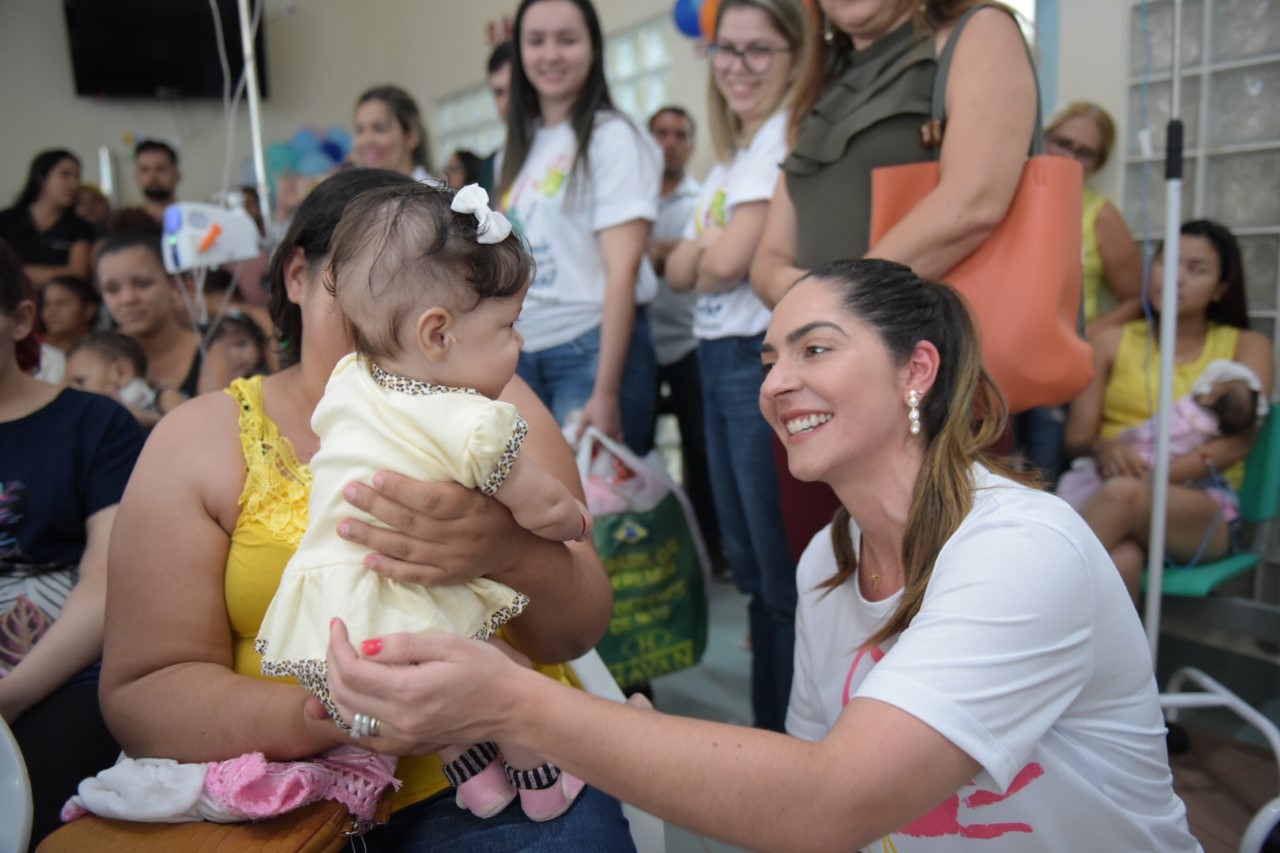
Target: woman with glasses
(1085, 132)
(581, 183)
(755, 54)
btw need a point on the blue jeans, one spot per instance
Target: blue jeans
(594, 822)
(563, 377)
(745, 486)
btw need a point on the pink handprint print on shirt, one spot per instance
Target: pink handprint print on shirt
(945, 819)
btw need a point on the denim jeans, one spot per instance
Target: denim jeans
(594, 822)
(563, 377)
(745, 486)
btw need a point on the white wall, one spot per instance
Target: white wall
(1093, 65)
(323, 53)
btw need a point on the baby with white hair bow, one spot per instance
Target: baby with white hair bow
(429, 284)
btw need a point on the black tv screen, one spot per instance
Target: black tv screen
(156, 48)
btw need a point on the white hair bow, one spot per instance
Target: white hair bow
(491, 226)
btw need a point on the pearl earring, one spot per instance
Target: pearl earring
(913, 412)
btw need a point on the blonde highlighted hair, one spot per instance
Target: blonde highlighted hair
(790, 20)
(1099, 116)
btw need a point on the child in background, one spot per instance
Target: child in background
(114, 365)
(430, 285)
(1224, 401)
(245, 343)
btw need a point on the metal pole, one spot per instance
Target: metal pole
(255, 108)
(1168, 342)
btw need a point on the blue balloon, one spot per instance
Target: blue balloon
(280, 157)
(686, 18)
(331, 150)
(315, 163)
(341, 137)
(305, 141)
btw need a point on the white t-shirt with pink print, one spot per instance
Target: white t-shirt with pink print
(1028, 655)
(560, 218)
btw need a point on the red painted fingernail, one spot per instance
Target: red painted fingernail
(371, 647)
(332, 622)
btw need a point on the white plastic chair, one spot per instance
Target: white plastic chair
(15, 795)
(648, 832)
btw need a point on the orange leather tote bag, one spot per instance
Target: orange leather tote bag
(1023, 284)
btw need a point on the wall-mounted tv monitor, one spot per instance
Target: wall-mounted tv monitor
(156, 48)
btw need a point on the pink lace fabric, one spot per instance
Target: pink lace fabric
(256, 788)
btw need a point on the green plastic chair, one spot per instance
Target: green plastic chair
(1259, 503)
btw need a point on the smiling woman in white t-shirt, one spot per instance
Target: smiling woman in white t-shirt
(970, 674)
(755, 55)
(581, 183)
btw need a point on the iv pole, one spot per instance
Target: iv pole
(255, 108)
(1168, 340)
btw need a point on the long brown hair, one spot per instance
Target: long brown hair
(523, 110)
(962, 415)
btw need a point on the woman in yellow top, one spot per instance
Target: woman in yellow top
(1085, 132)
(217, 506)
(1212, 323)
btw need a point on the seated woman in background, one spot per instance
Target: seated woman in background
(42, 226)
(64, 459)
(145, 303)
(181, 678)
(1213, 323)
(1085, 132)
(969, 674)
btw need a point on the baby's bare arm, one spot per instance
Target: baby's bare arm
(542, 504)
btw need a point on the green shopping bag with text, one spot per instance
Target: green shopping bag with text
(648, 538)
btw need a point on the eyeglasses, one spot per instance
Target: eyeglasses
(756, 58)
(1086, 156)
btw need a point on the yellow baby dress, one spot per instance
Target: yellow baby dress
(368, 421)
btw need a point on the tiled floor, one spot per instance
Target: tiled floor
(717, 689)
(1222, 780)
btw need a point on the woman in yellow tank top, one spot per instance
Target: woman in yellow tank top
(1085, 132)
(1212, 323)
(216, 507)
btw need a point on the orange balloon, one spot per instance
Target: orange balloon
(707, 19)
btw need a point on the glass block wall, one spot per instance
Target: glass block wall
(637, 65)
(1230, 109)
